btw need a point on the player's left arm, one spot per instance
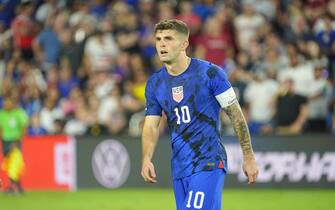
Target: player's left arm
(225, 95)
(240, 126)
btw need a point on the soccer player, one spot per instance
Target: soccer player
(191, 92)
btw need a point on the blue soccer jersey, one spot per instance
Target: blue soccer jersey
(192, 102)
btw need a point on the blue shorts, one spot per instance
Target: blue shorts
(202, 190)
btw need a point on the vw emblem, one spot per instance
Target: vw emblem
(111, 163)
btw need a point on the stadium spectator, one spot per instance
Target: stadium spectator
(204, 8)
(66, 81)
(244, 63)
(314, 54)
(326, 39)
(225, 15)
(33, 102)
(314, 9)
(111, 112)
(126, 28)
(24, 30)
(79, 123)
(212, 43)
(101, 51)
(258, 96)
(147, 40)
(73, 102)
(98, 8)
(96, 45)
(35, 128)
(165, 10)
(273, 62)
(319, 98)
(71, 52)
(265, 7)
(247, 25)
(48, 7)
(147, 7)
(291, 109)
(47, 45)
(7, 11)
(136, 92)
(192, 20)
(49, 114)
(301, 74)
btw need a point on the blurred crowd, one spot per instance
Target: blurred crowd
(80, 66)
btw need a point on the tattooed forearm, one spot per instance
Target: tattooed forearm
(240, 126)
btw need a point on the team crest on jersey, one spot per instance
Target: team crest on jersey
(177, 93)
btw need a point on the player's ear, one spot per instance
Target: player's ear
(185, 44)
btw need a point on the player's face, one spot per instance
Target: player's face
(169, 44)
(8, 104)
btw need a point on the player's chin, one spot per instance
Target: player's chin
(164, 59)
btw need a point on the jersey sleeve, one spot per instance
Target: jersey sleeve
(221, 87)
(152, 105)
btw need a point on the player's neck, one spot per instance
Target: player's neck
(179, 66)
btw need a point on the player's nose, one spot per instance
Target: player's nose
(162, 44)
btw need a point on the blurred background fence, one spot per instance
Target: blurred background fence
(66, 164)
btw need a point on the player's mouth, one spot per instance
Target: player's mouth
(163, 52)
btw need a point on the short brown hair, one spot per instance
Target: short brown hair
(172, 24)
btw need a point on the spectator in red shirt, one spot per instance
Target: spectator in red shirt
(192, 20)
(23, 30)
(212, 43)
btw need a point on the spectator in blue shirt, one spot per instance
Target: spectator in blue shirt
(326, 37)
(35, 128)
(47, 46)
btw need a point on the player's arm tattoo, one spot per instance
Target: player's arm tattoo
(240, 126)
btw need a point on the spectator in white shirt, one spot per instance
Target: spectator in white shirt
(319, 98)
(258, 97)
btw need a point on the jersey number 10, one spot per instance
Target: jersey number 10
(183, 114)
(198, 199)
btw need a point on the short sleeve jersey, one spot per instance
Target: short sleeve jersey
(192, 106)
(12, 124)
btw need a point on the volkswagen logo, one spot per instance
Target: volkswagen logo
(111, 163)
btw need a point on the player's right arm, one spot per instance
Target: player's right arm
(150, 136)
(150, 131)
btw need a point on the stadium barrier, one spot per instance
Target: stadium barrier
(49, 163)
(64, 163)
(284, 162)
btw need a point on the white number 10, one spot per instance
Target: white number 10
(185, 114)
(198, 200)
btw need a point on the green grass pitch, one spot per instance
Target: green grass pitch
(162, 199)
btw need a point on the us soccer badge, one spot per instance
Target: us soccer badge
(177, 93)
